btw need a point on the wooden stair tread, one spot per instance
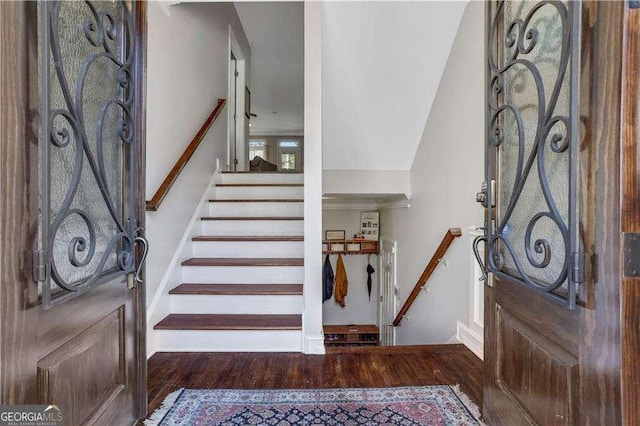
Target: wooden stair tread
(238, 289)
(253, 200)
(242, 261)
(249, 238)
(229, 322)
(251, 218)
(274, 185)
(229, 172)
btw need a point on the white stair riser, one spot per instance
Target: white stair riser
(228, 340)
(263, 209)
(236, 304)
(252, 227)
(243, 274)
(258, 178)
(248, 249)
(259, 192)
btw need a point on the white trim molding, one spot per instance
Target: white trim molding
(312, 335)
(472, 334)
(314, 345)
(471, 340)
(165, 6)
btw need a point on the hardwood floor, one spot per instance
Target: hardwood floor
(339, 368)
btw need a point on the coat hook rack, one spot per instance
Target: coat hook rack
(367, 247)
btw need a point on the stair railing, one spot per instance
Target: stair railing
(448, 238)
(167, 183)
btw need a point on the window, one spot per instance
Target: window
(289, 144)
(289, 154)
(288, 161)
(257, 147)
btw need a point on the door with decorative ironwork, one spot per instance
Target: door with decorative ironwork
(551, 171)
(74, 335)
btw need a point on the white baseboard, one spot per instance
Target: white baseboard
(453, 340)
(471, 339)
(314, 345)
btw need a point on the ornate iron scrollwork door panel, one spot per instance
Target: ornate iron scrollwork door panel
(87, 156)
(531, 149)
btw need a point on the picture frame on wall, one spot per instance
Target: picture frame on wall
(334, 235)
(370, 225)
(247, 103)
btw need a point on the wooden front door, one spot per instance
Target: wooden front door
(72, 323)
(556, 212)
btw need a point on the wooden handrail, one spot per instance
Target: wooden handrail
(167, 183)
(448, 238)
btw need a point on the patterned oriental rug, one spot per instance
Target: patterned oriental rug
(427, 405)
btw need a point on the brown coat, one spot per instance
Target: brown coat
(342, 283)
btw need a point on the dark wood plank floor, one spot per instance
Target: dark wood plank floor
(339, 368)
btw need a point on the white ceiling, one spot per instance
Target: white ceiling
(381, 65)
(276, 35)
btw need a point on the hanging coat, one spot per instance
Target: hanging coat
(327, 280)
(342, 283)
(370, 271)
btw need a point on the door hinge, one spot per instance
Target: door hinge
(237, 74)
(631, 255)
(235, 161)
(577, 267)
(39, 266)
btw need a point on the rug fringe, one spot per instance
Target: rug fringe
(471, 406)
(168, 403)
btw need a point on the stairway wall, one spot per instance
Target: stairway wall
(188, 56)
(447, 172)
(158, 303)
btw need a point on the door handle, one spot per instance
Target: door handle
(476, 252)
(145, 252)
(135, 278)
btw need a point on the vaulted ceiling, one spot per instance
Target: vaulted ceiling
(381, 66)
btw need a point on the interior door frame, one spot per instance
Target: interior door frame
(240, 149)
(386, 329)
(18, 176)
(609, 345)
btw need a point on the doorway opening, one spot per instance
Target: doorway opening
(238, 100)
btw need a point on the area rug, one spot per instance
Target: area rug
(426, 405)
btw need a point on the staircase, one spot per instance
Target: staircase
(242, 289)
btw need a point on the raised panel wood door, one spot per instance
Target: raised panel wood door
(72, 298)
(552, 198)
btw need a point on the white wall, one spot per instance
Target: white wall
(446, 174)
(188, 55)
(373, 182)
(358, 309)
(382, 64)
